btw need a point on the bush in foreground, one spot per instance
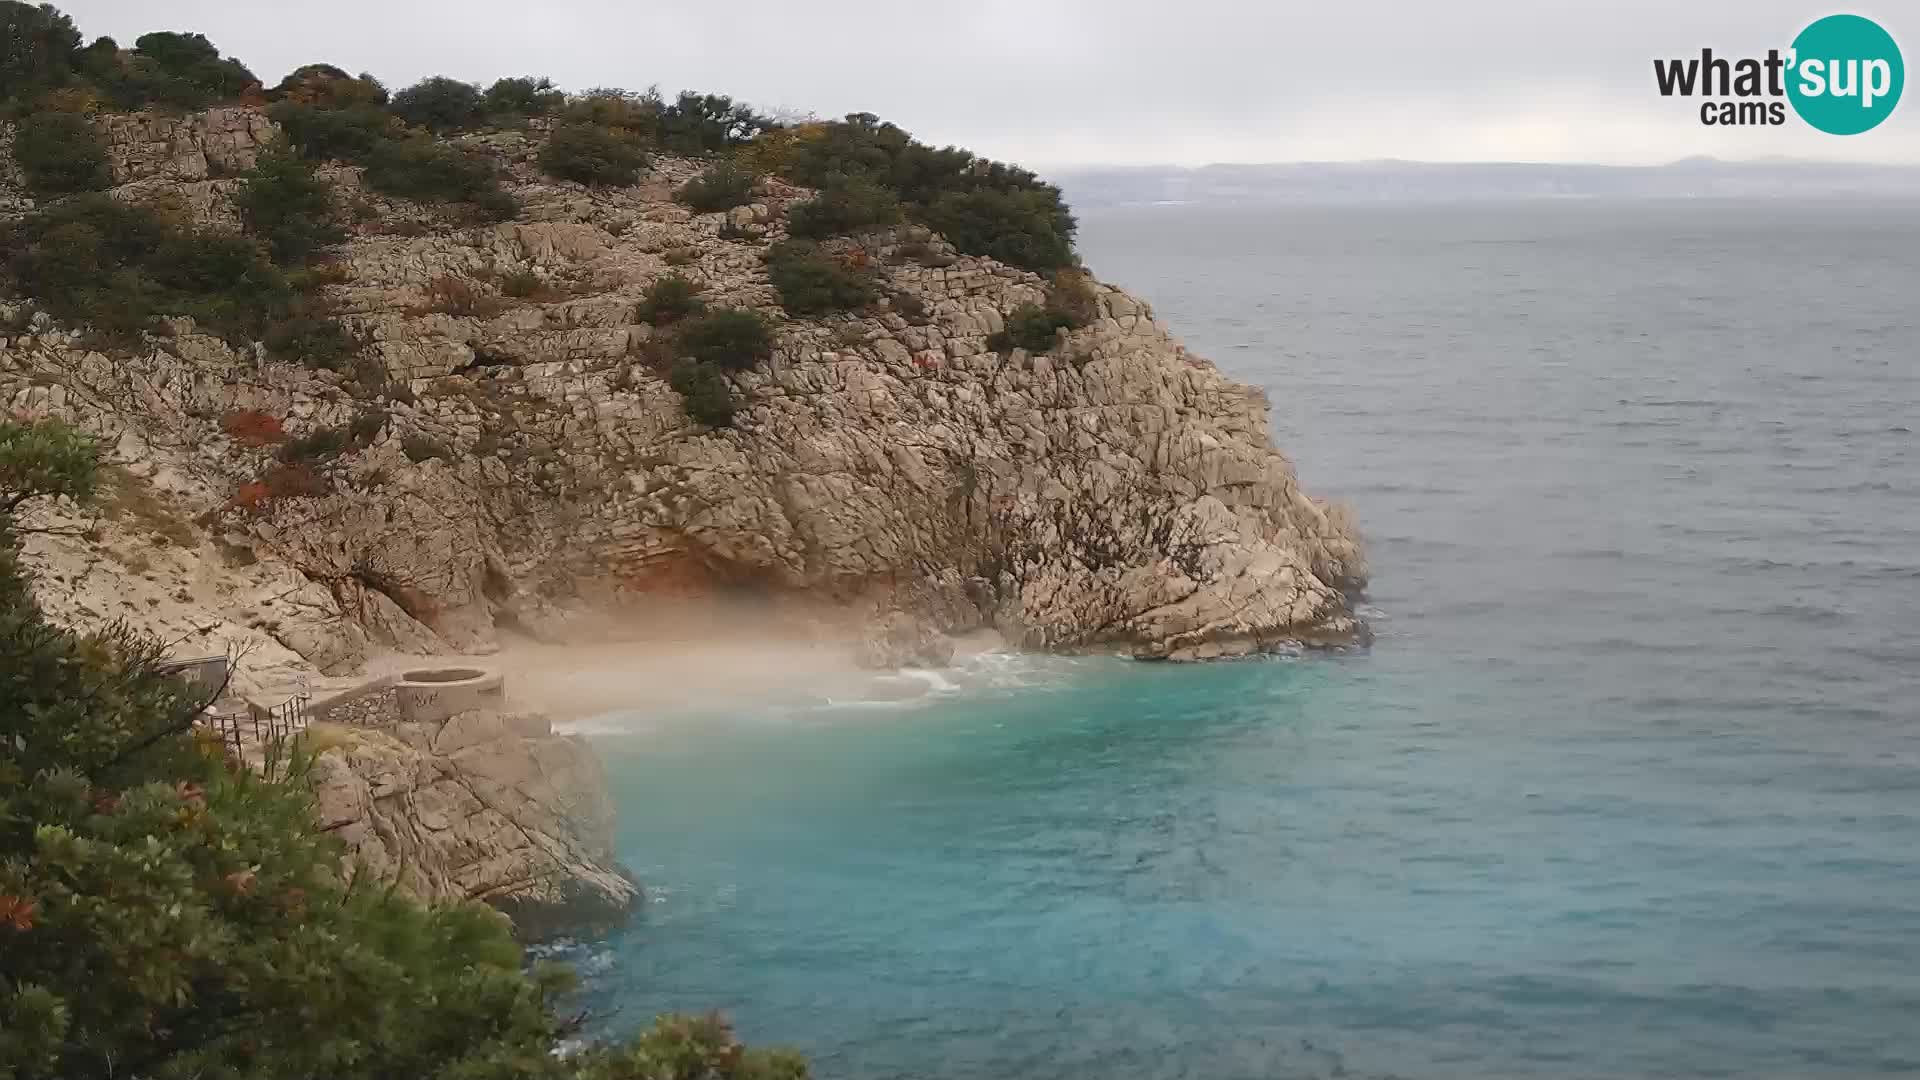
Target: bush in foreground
(166, 914)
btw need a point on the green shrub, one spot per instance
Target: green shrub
(1030, 327)
(846, 206)
(170, 70)
(94, 260)
(590, 154)
(496, 205)
(316, 446)
(367, 426)
(730, 338)
(722, 187)
(61, 154)
(1026, 228)
(635, 113)
(522, 285)
(668, 299)
(812, 283)
(323, 133)
(287, 206)
(330, 87)
(163, 904)
(184, 71)
(707, 123)
(426, 171)
(984, 207)
(38, 48)
(524, 96)
(221, 280)
(439, 104)
(704, 391)
(316, 341)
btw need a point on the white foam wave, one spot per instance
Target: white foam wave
(972, 673)
(936, 682)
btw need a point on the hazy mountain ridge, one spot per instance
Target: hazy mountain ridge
(1420, 181)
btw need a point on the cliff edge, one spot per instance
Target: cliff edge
(518, 456)
(481, 806)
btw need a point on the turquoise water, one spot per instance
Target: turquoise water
(1627, 787)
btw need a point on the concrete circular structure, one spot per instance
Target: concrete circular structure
(430, 695)
(443, 675)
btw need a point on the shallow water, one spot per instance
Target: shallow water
(1626, 788)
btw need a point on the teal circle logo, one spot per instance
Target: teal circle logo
(1846, 75)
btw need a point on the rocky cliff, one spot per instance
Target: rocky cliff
(479, 807)
(526, 460)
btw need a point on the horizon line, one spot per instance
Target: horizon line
(1695, 159)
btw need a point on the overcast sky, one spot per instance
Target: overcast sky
(1072, 82)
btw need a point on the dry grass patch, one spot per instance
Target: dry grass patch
(129, 500)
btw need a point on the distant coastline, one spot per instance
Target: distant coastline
(1103, 187)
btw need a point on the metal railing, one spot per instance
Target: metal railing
(262, 727)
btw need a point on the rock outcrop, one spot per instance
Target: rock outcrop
(527, 458)
(900, 640)
(480, 807)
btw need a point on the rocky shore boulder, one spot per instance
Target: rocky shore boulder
(480, 807)
(902, 640)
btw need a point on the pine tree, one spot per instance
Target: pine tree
(164, 914)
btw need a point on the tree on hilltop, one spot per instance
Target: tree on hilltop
(37, 47)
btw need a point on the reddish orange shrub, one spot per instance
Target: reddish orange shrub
(251, 427)
(251, 496)
(280, 482)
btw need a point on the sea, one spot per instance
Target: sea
(1627, 786)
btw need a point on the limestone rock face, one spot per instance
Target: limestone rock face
(156, 146)
(527, 459)
(477, 809)
(901, 640)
